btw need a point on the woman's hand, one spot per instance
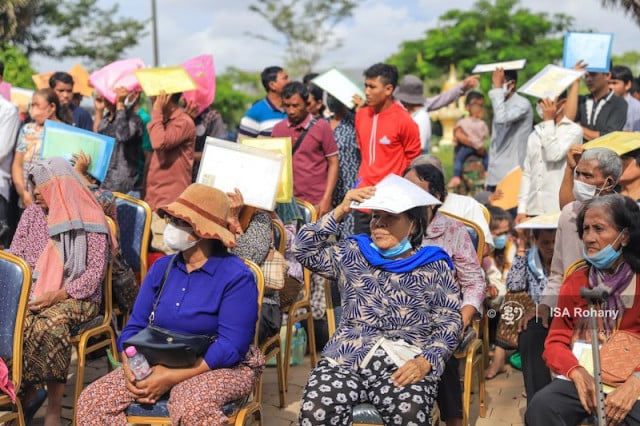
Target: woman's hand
(618, 403)
(573, 155)
(48, 299)
(586, 388)
(155, 385)
(359, 195)
(81, 162)
(236, 203)
(412, 371)
(27, 199)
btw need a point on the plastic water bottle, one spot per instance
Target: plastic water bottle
(137, 363)
(298, 345)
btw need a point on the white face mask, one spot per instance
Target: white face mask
(585, 191)
(177, 237)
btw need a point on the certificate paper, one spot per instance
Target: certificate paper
(169, 79)
(62, 140)
(592, 48)
(550, 82)
(255, 172)
(619, 142)
(508, 65)
(339, 86)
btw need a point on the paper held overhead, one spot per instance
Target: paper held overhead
(550, 82)
(507, 65)
(255, 172)
(594, 49)
(620, 142)
(339, 86)
(168, 79)
(282, 146)
(544, 221)
(116, 74)
(395, 194)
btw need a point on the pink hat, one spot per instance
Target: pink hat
(203, 73)
(116, 74)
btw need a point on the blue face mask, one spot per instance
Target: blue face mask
(605, 257)
(500, 242)
(395, 251)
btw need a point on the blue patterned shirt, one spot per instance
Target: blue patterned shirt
(421, 307)
(521, 277)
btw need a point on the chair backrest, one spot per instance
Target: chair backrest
(474, 231)
(259, 276)
(309, 213)
(15, 287)
(485, 212)
(134, 220)
(107, 289)
(279, 236)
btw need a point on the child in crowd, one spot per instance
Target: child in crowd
(469, 136)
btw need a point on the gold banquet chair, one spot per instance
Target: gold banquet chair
(15, 286)
(238, 412)
(98, 327)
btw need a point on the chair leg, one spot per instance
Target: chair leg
(79, 379)
(281, 382)
(287, 351)
(481, 388)
(313, 357)
(466, 390)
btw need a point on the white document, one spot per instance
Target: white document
(338, 85)
(594, 49)
(550, 81)
(544, 221)
(255, 172)
(395, 194)
(507, 65)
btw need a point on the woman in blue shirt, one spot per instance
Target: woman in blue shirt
(208, 291)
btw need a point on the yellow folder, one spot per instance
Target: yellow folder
(510, 186)
(169, 79)
(282, 146)
(620, 142)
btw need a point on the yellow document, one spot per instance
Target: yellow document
(81, 80)
(42, 80)
(169, 79)
(282, 146)
(510, 187)
(620, 142)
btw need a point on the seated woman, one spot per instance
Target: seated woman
(208, 291)
(608, 227)
(401, 314)
(63, 236)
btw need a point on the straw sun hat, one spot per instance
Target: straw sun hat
(205, 209)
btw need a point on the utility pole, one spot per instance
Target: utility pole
(154, 34)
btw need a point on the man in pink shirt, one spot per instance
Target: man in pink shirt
(173, 136)
(315, 153)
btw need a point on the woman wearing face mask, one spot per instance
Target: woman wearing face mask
(44, 106)
(609, 228)
(401, 310)
(208, 291)
(125, 126)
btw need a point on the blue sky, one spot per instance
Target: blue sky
(191, 27)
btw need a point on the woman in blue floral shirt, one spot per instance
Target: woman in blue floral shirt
(401, 316)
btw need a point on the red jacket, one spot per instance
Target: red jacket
(388, 142)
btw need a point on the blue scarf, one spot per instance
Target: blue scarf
(423, 256)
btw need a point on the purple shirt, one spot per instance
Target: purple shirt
(310, 159)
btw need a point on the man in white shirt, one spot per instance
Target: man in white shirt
(9, 124)
(545, 161)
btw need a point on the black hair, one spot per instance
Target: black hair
(52, 98)
(498, 215)
(418, 215)
(268, 75)
(635, 86)
(433, 176)
(294, 87)
(308, 77)
(635, 154)
(473, 95)
(620, 72)
(511, 75)
(318, 95)
(623, 212)
(1, 69)
(388, 73)
(62, 77)
(175, 98)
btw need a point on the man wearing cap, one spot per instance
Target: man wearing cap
(173, 136)
(601, 111)
(410, 93)
(512, 123)
(387, 135)
(62, 83)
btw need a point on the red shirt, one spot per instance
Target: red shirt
(172, 159)
(388, 142)
(310, 159)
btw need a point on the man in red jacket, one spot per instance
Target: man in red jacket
(388, 137)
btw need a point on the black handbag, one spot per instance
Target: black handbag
(166, 347)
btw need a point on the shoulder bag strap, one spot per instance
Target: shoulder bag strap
(164, 281)
(302, 136)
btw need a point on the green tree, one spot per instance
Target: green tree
(630, 59)
(308, 28)
(493, 30)
(17, 70)
(631, 7)
(236, 90)
(96, 35)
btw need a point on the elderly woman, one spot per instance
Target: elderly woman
(609, 229)
(64, 237)
(401, 312)
(207, 291)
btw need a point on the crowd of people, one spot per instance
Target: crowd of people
(407, 271)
